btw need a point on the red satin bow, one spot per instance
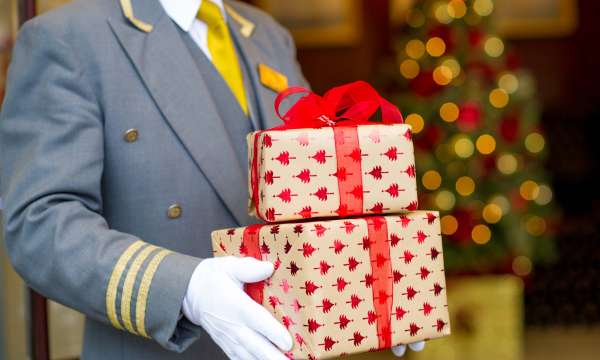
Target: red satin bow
(349, 105)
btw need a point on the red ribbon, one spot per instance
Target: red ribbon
(383, 284)
(251, 242)
(343, 106)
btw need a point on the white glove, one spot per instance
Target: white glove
(399, 350)
(215, 300)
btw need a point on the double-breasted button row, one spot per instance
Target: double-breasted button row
(174, 211)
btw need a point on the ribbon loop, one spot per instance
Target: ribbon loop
(347, 105)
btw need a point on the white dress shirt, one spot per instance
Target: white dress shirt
(183, 13)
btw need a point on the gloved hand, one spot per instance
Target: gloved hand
(215, 300)
(399, 350)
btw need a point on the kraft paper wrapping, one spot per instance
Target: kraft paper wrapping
(331, 172)
(349, 285)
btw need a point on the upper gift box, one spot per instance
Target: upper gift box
(347, 153)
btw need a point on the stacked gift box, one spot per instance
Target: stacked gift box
(357, 267)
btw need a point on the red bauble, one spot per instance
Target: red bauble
(423, 85)
(475, 36)
(430, 137)
(466, 221)
(469, 117)
(509, 128)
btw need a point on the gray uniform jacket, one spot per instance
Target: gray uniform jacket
(116, 164)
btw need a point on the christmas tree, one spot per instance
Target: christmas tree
(479, 146)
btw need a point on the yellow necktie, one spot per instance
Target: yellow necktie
(222, 50)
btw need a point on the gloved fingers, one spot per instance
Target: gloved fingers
(258, 345)
(249, 270)
(225, 345)
(417, 346)
(399, 350)
(260, 320)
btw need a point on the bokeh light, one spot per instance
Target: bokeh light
(483, 7)
(409, 68)
(492, 213)
(507, 164)
(449, 224)
(431, 180)
(493, 46)
(535, 142)
(481, 234)
(415, 49)
(535, 225)
(463, 147)
(521, 265)
(457, 9)
(529, 190)
(508, 82)
(436, 46)
(502, 202)
(416, 122)
(486, 144)
(544, 195)
(440, 11)
(445, 200)
(498, 98)
(453, 65)
(449, 112)
(465, 186)
(442, 75)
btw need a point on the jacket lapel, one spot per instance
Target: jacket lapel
(176, 85)
(253, 55)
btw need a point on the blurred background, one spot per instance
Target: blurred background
(503, 97)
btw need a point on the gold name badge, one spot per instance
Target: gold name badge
(272, 79)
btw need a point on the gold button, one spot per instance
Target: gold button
(131, 135)
(174, 211)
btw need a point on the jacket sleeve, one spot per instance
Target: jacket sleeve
(51, 163)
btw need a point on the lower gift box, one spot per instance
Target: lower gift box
(349, 286)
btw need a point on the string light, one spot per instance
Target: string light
(502, 202)
(483, 7)
(453, 65)
(409, 68)
(544, 195)
(486, 144)
(463, 147)
(415, 49)
(493, 46)
(457, 9)
(416, 122)
(529, 190)
(507, 164)
(498, 98)
(435, 46)
(431, 180)
(465, 186)
(492, 213)
(441, 13)
(535, 225)
(445, 200)
(449, 224)
(508, 82)
(449, 112)
(481, 234)
(442, 75)
(534, 143)
(522, 266)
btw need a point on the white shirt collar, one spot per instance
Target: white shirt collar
(183, 12)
